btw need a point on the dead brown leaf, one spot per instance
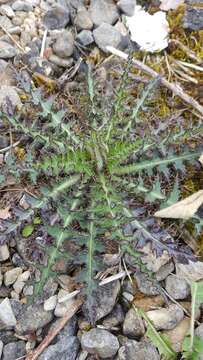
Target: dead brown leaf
(183, 209)
(4, 213)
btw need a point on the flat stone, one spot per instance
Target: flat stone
(11, 276)
(133, 350)
(166, 318)
(83, 20)
(21, 5)
(7, 317)
(178, 288)
(103, 301)
(100, 342)
(106, 35)
(14, 350)
(133, 325)
(164, 271)
(127, 6)
(7, 51)
(193, 18)
(85, 37)
(4, 252)
(7, 10)
(31, 318)
(103, 11)
(64, 45)
(57, 18)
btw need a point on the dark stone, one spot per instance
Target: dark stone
(56, 18)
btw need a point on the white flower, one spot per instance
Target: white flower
(170, 4)
(150, 32)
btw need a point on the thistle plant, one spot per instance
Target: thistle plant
(91, 176)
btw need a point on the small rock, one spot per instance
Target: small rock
(21, 5)
(7, 11)
(11, 276)
(133, 325)
(66, 349)
(133, 350)
(50, 303)
(7, 317)
(7, 51)
(9, 92)
(177, 335)
(100, 342)
(56, 18)
(166, 318)
(103, 11)
(1, 348)
(23, 203)
(85, 37)
(115, 318)
(178, 288)
(14, 350)
(64, 45)
(193, 18)
(28, 290)
(32, 318)
(106, 35)
(83, 20)
(18, 286)
(4, 252)
(127, 6)
(104, 299)
(145, 285)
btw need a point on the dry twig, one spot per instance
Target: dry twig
(51, 334)
(176, 89)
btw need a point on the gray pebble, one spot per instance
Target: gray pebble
(56, 18)
(106, 35)
(21, 5)
(83, 20)
(7, 317)
(146, 285)
(85, 37)
(127, 6)
(64, 45)
(103, 11)
(100, 342)
(193, 18)
(7, 51)
(32, 318)
(178, 288)
(133, 325)
(133, 350)
(7, 10)
(14, 350)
